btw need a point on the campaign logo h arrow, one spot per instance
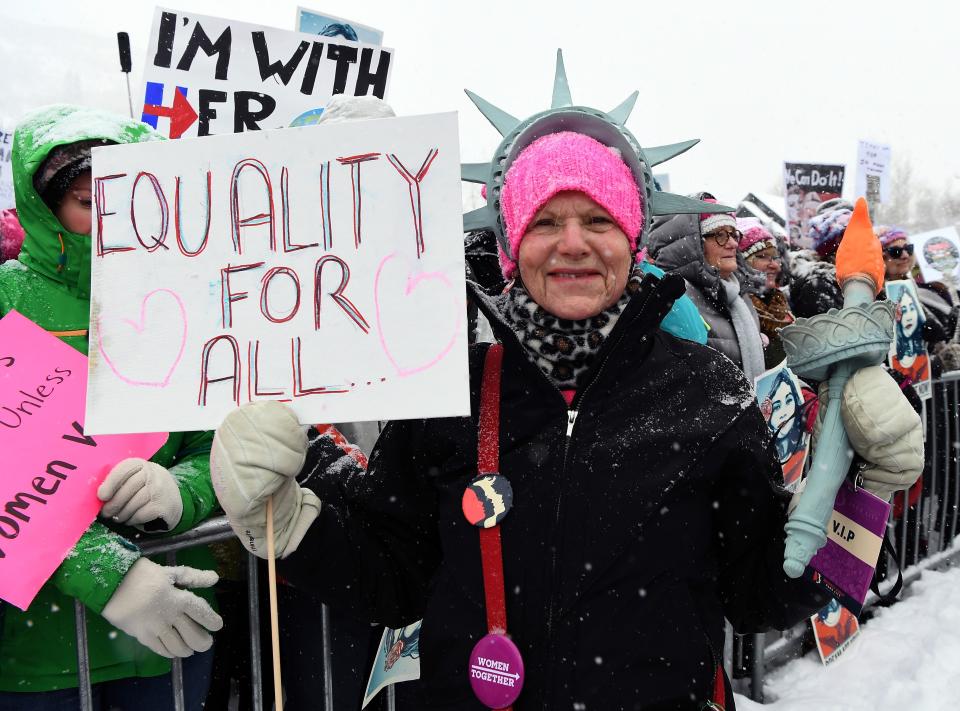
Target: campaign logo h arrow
(181, 113)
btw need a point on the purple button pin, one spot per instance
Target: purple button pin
(496, 671)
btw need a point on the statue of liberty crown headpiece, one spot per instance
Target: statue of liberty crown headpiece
(606, 127)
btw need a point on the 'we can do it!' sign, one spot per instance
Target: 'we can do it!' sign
(320, 266)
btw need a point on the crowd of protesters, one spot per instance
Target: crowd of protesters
(613, 568)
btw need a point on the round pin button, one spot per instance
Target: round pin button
(487, 499)
(496, 671)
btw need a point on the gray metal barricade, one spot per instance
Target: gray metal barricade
(210, 531)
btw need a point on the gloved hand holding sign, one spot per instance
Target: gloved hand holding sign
(142, 494)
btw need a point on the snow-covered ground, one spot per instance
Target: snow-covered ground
(907, 657)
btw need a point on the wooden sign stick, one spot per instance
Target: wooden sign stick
(274, 621)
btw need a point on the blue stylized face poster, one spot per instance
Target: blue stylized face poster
(908, 352)
(398, 659)
(312, 22)
(782, 404)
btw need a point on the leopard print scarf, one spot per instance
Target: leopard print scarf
(563, 349)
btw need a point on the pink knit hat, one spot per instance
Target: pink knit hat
(710, 221)
(755, 238)
(11, 235)
(566, 161)
(888, 234)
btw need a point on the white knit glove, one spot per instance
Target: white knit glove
(257, 453)
(150, 605)
(882, 428)
(142, 494)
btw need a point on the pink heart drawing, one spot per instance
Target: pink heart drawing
(410, 295)
(156, 334)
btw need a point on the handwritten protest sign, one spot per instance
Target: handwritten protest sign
(322, 266)
(208, 75)
(807, 186)
(320, 23)
(6, 171)
(51, 467)
(938, 254)
(873, 159)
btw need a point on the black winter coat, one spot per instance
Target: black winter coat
(642, 515)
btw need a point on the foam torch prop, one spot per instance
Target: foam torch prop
(830, 348)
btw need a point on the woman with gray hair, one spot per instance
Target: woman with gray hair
(703, 250)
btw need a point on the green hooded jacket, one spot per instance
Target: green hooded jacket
(50, 284)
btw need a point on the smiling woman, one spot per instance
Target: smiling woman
(596, 440)
(575, 259)
(704, 252)
(582, 374)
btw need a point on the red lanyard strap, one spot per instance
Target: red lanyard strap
(488, 462)
(719, 690)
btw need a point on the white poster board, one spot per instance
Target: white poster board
(6, 169)
(321, 266)
(314, 22)
(208, 75)
(938, 254)
(873, 159)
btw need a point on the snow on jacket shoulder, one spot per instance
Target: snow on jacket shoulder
(813, 285)
(628, 541)
(938, 308)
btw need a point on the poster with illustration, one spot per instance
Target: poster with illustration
(398, 659)
(834, 628)
(781, 402)
(808, 185)
(908, 352)
(320, 23)
(938, 254)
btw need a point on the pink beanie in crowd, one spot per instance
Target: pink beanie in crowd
(11, 235)
(566, 161)
(755, 238)
(710, 221)
(888, 235)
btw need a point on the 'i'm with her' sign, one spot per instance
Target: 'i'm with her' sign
(209, 75)
(321, 266)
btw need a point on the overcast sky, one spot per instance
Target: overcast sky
(758, 82)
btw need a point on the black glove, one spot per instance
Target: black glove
(483, 264)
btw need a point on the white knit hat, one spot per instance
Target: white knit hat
(710, 221)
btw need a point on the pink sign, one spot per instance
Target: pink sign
(51, 469)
